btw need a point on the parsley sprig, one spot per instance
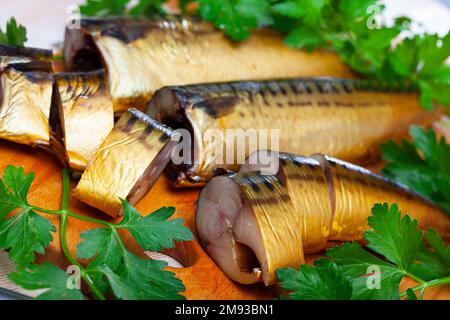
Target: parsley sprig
(423, 165)
(102, 8)
(396, 250)
(112, 271)
(14, 35)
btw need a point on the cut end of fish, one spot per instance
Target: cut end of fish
(127, 164)
(168, 106)
(229, 232)
(240, 234)
(81, 117)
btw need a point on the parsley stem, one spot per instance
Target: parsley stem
(89, 219)
(415, 278)
(63, 233)
(423, 286)
(74, 261)
(73, 215)
(65, 190)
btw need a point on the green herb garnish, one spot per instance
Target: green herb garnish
(349, 271)
(112, 271)
(423, 165)
(236, 17)
(104, 8)
(15, 35)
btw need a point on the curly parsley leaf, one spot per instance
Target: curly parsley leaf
(433, 262)
(104, 8)
(15, 35)
(366, 271)
(309, 10)
(394, 237)
(128, 276)
(325, 282)
(397, 251)
(102, 244)
(236, 17)
(148, 8)
(154, 231)
(143, 279)
(421, 61)
(421, 165)
(26, 233)
(49, 277)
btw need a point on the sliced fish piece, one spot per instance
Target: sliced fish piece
(239, 219)
(25, 100)
(81, 118)
(141, 56)
(300, 205)
(344, 118)
(127, 164)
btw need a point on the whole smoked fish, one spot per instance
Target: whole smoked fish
(344, 118)
(252, 223)
(141, 56)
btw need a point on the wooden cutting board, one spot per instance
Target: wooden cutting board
(202, 278)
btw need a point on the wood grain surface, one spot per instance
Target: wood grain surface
(202, 278)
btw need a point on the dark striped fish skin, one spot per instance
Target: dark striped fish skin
(253, 222)
(345, 118)
(25, 100)
(13, 55)
(182, 50)
(81, 117)
(127, 164)
(344, 193)
(355, 189)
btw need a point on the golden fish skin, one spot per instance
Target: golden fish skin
(356, 189)
(309, 191)
(12, 55)
(141, 56)
(306, 206)
(26, 95)
(335, 198)
(277, 221)
(82, 116)
(127, 163)
(344, 118)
